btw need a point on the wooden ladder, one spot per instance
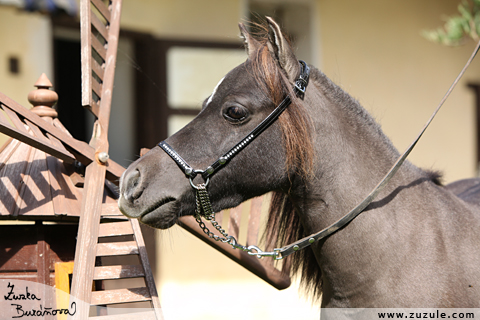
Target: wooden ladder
(120, 255)
(101, 243)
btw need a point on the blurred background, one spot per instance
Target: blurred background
(172, 54)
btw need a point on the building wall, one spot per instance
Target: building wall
(26, 37)
(185, 19)
(374, 50)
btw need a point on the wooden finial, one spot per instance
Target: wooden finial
(43, 99)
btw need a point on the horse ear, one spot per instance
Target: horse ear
(250, 43)
(280, 47)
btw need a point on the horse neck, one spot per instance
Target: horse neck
(352, 156)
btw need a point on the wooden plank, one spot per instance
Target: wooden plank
(149, 280)
(8, 149)
(99, 25)
(99, 48)
(3, 118)
(235, 220)
(254, 220)
(115, 229)
(97, 87)
(116, 248)
(118, 272)
(19, 124)
(65, 201)
(11, 176)
(262, 268)
(36, 131)
(116, 296)
(146, 315)
(87, 237)
(35, 196)
(97, 68)
(102, 8)
(110, 209)
(86, 48)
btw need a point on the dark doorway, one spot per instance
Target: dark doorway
(68, 86)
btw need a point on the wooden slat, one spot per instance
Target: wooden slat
(110, 209)
(150, 282)
(99, 25)
(19, 124)
(97, 68)
(235, 220)
(119, 296)
(8, 149)
(97, 87)
(117, 248)
(97, 46)
(254, 220)
(64, 200)
(3, 119)
(10, 177)
(118, 272)
(115, 229)
(37, 132)
(86, 49)
(146, 315)
(102, 8)
(35, 196)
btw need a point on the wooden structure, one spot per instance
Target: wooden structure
(47, 175)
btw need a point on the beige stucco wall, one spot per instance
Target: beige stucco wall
(26, 36)
(375, 51)
(210, 19)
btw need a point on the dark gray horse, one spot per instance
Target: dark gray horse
(416, 245)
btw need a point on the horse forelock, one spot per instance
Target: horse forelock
(283, 224)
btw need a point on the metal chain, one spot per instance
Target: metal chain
(204, 209)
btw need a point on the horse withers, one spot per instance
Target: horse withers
(416, 245)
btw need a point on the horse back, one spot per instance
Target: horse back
(467, 189)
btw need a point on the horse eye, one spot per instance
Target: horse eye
(236, 113)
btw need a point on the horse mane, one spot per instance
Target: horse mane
(283, 224)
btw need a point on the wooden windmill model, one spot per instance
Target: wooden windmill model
(102, 230)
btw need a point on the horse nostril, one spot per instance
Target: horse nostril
(133, 189)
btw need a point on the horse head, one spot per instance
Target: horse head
(156, 191)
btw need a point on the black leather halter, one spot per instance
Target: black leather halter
(299, 88)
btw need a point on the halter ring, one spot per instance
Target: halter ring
(191, 179)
